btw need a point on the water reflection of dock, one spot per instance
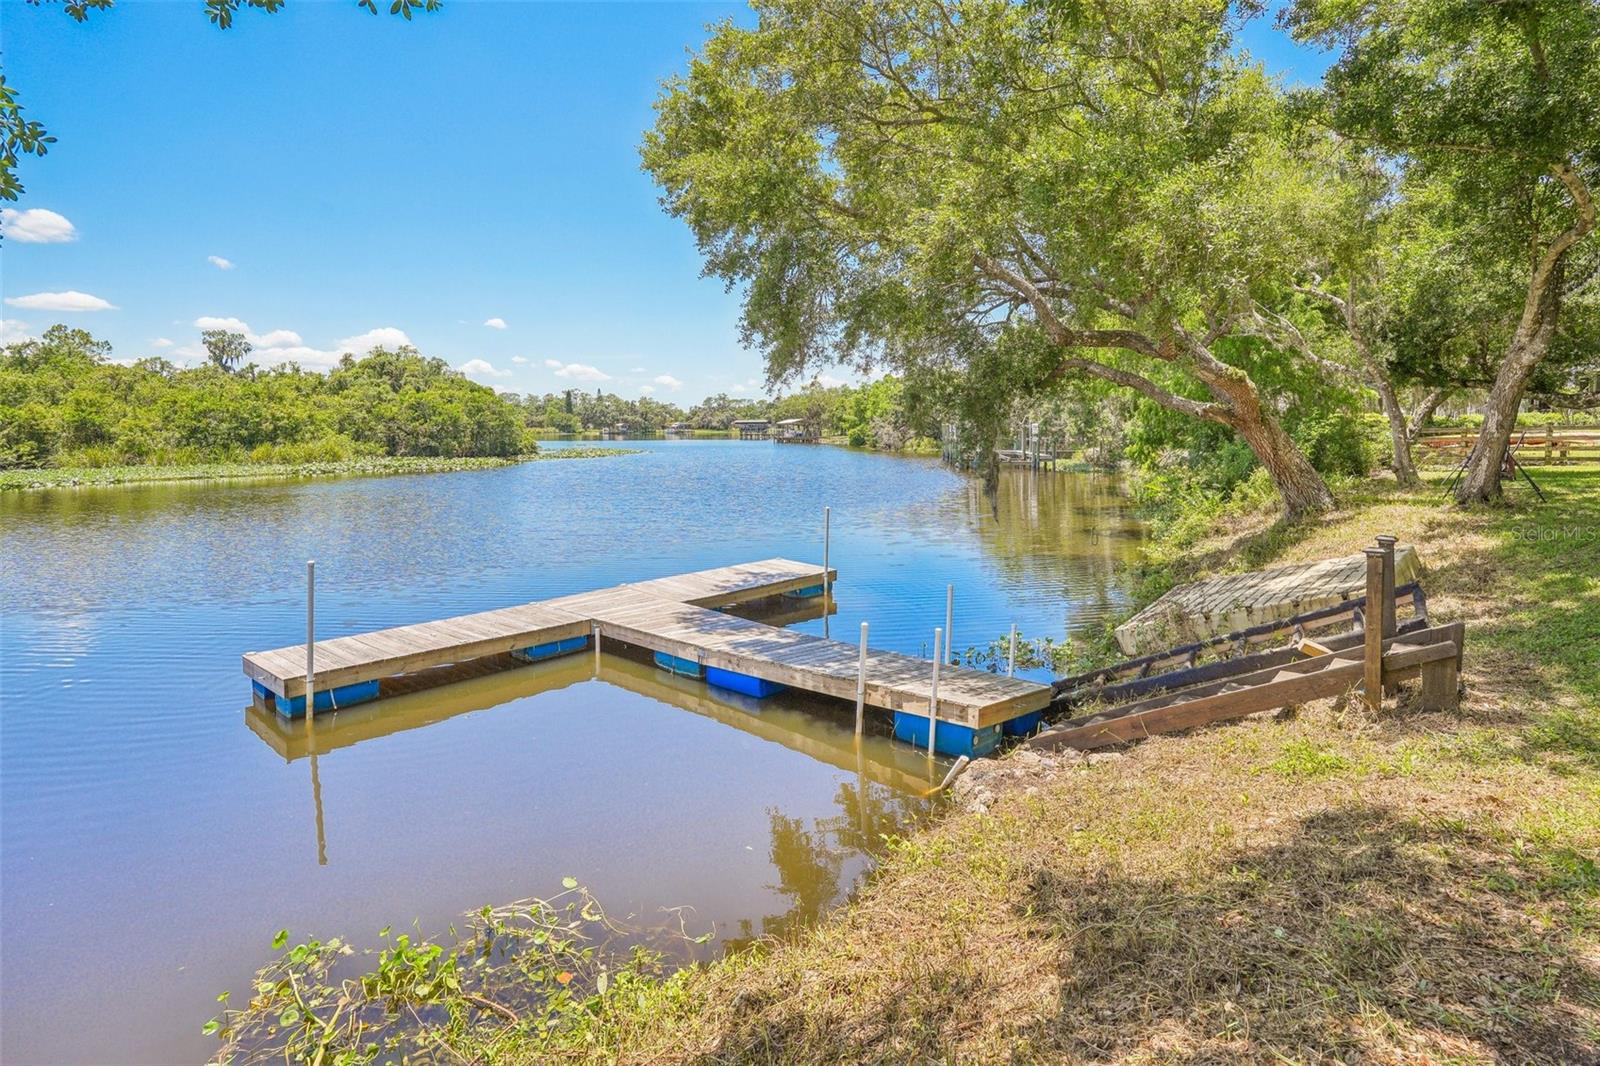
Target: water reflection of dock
(489, 685)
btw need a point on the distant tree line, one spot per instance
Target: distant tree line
(63, 402)
(876, 414)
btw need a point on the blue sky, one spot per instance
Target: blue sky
(364, 179)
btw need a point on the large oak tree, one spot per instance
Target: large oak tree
(1492, 112)
(1104, 190)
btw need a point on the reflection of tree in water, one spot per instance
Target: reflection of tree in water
(811, 861)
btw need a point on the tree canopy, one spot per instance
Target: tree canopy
(63, 401)
(1035, 191)
(1488, 111)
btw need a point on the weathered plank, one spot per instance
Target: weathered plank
(1270, 688)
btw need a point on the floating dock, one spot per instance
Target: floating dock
(681, 620)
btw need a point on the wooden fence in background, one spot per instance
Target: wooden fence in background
(1535, 446)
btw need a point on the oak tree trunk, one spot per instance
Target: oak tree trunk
(1405, 471)
(1297, 481)
(1480, 483)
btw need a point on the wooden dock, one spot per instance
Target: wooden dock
(673, 616)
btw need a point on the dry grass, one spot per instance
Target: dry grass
(1331, 885)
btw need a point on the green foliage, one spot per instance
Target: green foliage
(64, 403)
(1301, 760)
(994, 203)
(1485, 115)
(882, 414)
(529, 976)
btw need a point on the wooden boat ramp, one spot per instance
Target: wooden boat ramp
(1168, 691)
(682, 622)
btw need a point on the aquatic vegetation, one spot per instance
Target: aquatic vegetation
(525, 975)
(69, 477)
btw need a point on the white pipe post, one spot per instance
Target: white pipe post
(595, 635)
(949, 620)
(1011, 663)
(933, 693)
(861, 681)
(826, 523)
(311, 637)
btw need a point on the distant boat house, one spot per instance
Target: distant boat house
(752, 428)
(795, 431)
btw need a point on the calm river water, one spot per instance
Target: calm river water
(155, 832)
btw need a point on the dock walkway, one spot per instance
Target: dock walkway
(678, 617)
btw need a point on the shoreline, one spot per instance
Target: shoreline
(1303, 854)
(377, 466)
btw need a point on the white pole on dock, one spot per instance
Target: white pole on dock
(1011, 663)
(827, 515)
(311, 636)
(596, 633)
(949, 619)
(861, 681)
(933, 693)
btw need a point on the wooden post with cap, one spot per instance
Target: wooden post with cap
(1386, 544)
(1373, 626)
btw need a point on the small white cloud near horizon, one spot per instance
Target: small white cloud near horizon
(277, 338)
(495, 323)
(519, 359)
(36, 225)
(273, 338)
(577, 371)
(71, 300)
(279, 346)
(13, 331)
(645, 390)
(219, 262)
(231, 324)
(636, 370)
(382, 337)
(482, 366)
(667, 381)
(161, 342)
(828, 381)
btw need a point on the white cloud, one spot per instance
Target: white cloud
(273, 338)
(36, 226)
(519, 359)
(667, 381)
(13, 330)
(578, 371)
(232, 325)
(482, 367)
(828, 381)
(219, 262)
(71, 300)
(636, 370)
(306, 357)
(646, 390)
(277, 338)
(382, 337)
(495, 323)
(161, 342)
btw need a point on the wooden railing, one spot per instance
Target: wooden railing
(1535, 446)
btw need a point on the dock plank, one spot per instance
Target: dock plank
(673, 615)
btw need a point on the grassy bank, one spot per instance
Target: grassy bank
(85, 476)
(1327, 884)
